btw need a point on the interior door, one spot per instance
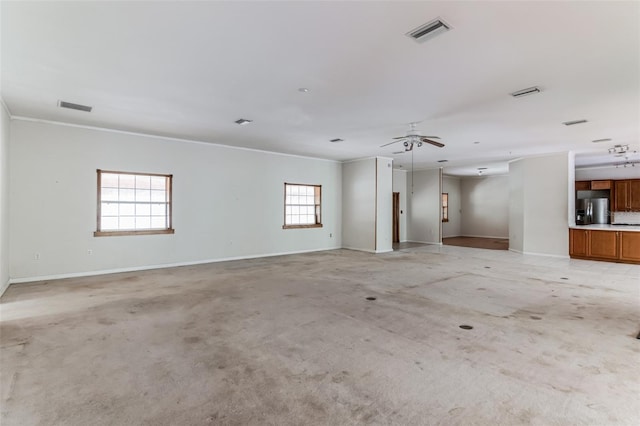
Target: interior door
(396, 217)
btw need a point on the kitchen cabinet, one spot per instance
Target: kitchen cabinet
(578, 242)
(603, 244)
(600, 184)
(608, 245)
(630, 246)
(583, 185)
(627, 195)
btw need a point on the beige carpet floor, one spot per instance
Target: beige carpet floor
(294, 341)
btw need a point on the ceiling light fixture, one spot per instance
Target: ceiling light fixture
(78, 107)
(574, 122)
(336, 140)
(602, 140)
(619, 149)
(525, 92)
(243, 121)
(429, 30)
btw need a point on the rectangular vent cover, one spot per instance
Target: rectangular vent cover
(526, 92)
(573, 123)
(429, 30)
(63, 104)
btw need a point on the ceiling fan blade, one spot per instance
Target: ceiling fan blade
(401, 137)
(434, 143)
(429, 137)
(390, 143)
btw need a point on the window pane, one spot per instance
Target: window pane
(295, 220)
(109, 194)
(109, 209)
(109, 180)
(295, 190)
(127, 209)
(109, 223)
(295, 210)
(158, 182)
(287, 210)
(158, 209)
(143, 210)
(158, 196)
(287, 189)
(159, 222)
(143, 222)
(143, 182)
(143, 195)
(127, 181)
(127, 194)
(127, 222)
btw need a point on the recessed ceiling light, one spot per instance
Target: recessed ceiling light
(525, 92)
(602, 140)
(243, 121)
(303, 90)
(336, 140)
(574, 122)
(442, 161)
(69, 105)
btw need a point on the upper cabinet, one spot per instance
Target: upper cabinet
(627, 195)
(583, 185)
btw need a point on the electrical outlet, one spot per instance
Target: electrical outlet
(89, 252)
(330, 235)
(36, 256)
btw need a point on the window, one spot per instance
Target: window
(445, 207)
(302, 206)
(133, 204)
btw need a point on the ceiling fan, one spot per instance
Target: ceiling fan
(413, 138)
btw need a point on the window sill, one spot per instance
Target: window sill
(125, 233)
(317, 225)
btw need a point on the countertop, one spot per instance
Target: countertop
(607, 227)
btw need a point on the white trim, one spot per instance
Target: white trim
(6, 108)
(167, 138)
(4, 287)
(383, 251)
(360, 249)
(528, 253)
(168, 265)
(483, 236)
(424, 242)
(359, 159)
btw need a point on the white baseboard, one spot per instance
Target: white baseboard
(4, 287)
(359, 249)
(483, 236)
(148, 267)
(529, 253)
(383, 251)
(425, 242)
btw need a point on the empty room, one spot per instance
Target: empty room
(319, 213)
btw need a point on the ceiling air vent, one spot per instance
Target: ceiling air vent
(602, 140)
(336, 140)
(525, 92)
(442, 161)
(429, 30)
(574, 122)
(243, 121)
(63, 104)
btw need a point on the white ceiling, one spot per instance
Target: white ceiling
(189, 70)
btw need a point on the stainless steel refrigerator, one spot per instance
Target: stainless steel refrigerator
(592, 210)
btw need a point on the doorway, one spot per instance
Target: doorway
(396, 217)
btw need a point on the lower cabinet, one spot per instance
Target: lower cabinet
(617, 246)
(630, 246)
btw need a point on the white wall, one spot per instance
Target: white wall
(451, 185)
(227, 202)
(359, 204)
(5, 125)
(400, 186)
(544, 185)
(516, 206)
(485, 206)
(384, 205)
(424, 221)
(597, 173)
